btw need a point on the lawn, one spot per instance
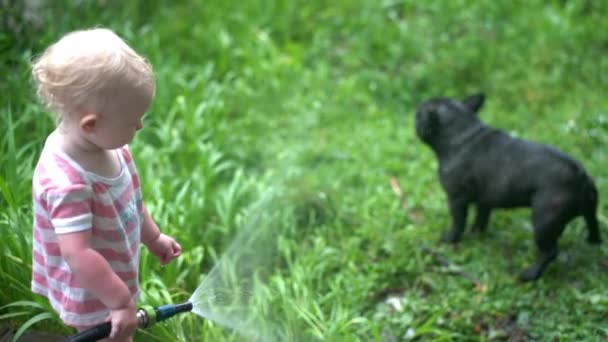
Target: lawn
(280, 152)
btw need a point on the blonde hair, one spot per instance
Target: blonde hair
(79, 71)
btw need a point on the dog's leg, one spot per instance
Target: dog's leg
(589, 213)
(458, 211)
(547, 252)
(548, 226)
(593, 229)
(588, 202)
(481, 220)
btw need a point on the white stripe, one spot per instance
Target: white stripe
(82, 319)
(74, 223)
(59, 262)
(73, 229)
(106, 223)
(71, 318)
(51, 168)
(60, 195)
(120, 246)
(37, 247)
(77, 294)
(113, 194)
(89, 319)
(38, 209)
(70, 195)
(48, 236)
(37, 189)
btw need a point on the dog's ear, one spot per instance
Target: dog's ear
(474, 102)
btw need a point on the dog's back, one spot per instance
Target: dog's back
(486, 167)
(500, 171)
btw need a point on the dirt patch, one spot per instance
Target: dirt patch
(501, 328)
(6, 334)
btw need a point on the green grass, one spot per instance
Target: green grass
(313, 101)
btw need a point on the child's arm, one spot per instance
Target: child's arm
(162, 246)
(94, 273)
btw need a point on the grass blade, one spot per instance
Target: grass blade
(39, 317)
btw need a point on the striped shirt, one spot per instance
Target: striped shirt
(69, 199)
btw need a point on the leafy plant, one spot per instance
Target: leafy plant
(312, 102)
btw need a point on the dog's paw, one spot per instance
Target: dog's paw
(477, 229)
(450, 237)
(530, 274)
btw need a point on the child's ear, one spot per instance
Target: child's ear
(474, 102)
(88, 122)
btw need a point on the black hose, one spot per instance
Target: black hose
(94, 334)
(145, 317)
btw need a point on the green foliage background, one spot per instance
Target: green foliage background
(316, 98)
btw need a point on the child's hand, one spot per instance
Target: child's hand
(124, 321)
(165, 248)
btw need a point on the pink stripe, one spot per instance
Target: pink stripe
(127, 276)
(37, 237)
(111, 255)
(125, 197)
(108, 235)
(41, 169)
(42, 222)
(100, 188)
(38, 258)
(134, 248)
(67, 189)
(130, 227)
(39, 201)
(44, 178)
(109, 210)
(72, 174)
(51, 248)
(45, 182)
(72, 209)
(126, 155)
(114, 235)
(84, 307)
(61, 276)
(40, 280)
(69, 279)
(103, 210)
(135, 180)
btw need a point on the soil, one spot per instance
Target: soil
(31, 336)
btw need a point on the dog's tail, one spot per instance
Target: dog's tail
(589, 203)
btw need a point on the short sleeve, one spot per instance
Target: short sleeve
(70, 208)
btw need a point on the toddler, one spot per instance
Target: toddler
(89, 216)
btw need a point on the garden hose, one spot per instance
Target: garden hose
(147, 316)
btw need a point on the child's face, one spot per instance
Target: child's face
(120, 120)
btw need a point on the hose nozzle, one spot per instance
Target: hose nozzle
(147, 316)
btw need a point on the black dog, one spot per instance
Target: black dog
(486, 167)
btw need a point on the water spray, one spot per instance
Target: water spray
(147, 316)
(229, 294)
